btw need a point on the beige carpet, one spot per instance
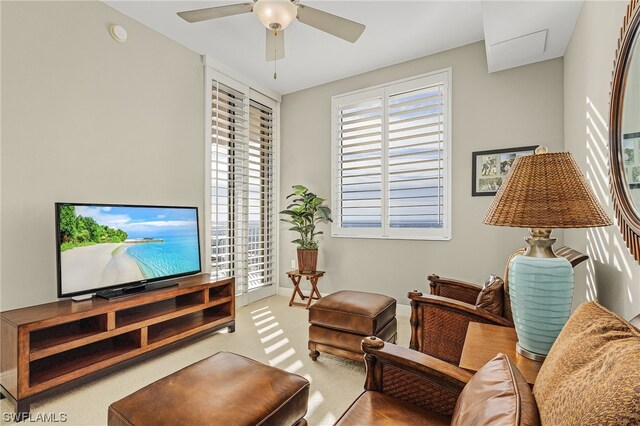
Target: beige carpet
(268, 331)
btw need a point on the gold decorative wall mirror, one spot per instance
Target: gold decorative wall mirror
(624, 130)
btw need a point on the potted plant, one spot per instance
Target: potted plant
(305, 211)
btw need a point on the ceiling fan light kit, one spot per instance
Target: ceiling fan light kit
(275, 14)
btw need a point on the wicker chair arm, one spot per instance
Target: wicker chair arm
(413, 376)
(439, 325)
(456, 307)
(572, 255)
(454, 289)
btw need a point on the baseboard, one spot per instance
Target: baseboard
(402, 310)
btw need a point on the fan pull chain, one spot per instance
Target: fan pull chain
(275, 54)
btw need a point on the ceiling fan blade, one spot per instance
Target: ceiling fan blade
(215, 12)
(332, 24)
(275, 45)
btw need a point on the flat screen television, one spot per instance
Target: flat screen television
(101, 247)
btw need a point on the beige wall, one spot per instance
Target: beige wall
(612, 275)
(88, 119)
(518, 107)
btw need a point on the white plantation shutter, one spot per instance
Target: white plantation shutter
(391, 153)
(260, 195)
(228, 129)
(360, 164)
(242, 189)
(416, 151)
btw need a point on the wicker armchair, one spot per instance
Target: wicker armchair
(439, 321)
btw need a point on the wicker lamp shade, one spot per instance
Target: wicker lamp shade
(546, 191)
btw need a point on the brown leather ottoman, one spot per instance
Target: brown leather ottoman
(341, 320)
(224, 389)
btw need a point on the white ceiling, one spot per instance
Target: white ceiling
(523, 32)
(396, 31)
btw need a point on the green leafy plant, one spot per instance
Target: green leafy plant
(305, 211)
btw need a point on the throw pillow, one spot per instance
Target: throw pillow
(491, 295)
(496, 395)
(592, 373)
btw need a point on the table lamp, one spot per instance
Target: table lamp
(541, 192)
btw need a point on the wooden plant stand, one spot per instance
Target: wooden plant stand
(49, 346)
(312, 277)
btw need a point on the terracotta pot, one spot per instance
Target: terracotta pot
(307, 260)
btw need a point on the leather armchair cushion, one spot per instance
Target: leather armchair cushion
(592, 373)
(376, 408)
(353, 311)
(491, 296)
(496, 395)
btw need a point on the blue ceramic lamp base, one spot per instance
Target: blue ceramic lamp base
(541, 292)
(531, 355)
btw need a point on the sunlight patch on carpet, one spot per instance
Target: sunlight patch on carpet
(282, 357)
(293, 368)
(272, 336)
(276, 346)
(267, 328)
(264, 321)
(255, 317)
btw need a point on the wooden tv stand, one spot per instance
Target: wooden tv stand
(47, 346)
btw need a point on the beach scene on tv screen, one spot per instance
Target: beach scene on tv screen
(102, 246)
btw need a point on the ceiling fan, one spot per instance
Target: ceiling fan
(276, 15)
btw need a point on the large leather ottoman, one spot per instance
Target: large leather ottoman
(341, 320)
(224, 389)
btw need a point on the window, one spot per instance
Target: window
(391, 151)
(242, 186)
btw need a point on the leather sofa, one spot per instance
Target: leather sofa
(591, 376)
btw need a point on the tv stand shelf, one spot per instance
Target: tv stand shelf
(50, 345)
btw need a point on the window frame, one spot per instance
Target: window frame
(384, 91)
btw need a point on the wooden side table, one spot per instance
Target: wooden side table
(484, 341)
(313, 277)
